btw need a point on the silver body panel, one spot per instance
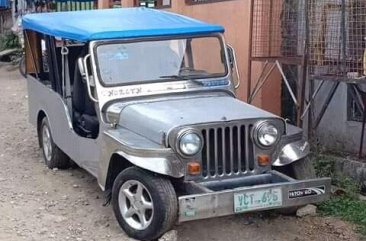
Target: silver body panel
(94, 154)
(140, 123)
(140, 152)
(85, 152)
(143, 120)
(155, 120)
(131, 139)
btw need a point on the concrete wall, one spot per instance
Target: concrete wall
(335, 132)
(234, 15)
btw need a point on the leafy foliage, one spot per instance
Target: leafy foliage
(9, 41)
(324, 167)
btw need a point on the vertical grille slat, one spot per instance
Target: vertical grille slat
(239, 148)
(223, 154)
(242, 146)
(251, 164)
(231, 147)
(227, 150)
(207, 145)
(246, 133)
(216, 150)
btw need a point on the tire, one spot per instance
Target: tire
(157, 203)
(300, 170)
(22, 66)
(53, 156)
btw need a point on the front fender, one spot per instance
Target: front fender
(140, 152)
(161, 165)
(292, 152)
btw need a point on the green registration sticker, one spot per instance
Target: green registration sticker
(190, 213)
(253, 200)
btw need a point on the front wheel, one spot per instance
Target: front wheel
(144, 204)
(300, 170)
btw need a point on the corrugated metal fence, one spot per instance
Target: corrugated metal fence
(61, 5)
(75, 5)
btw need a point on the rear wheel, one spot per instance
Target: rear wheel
(144, 204)
(53, 156)
(22, 66)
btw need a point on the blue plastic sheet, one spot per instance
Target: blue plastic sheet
(115, 24)
(4, 3)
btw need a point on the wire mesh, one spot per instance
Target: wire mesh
(337, 31)
(278, 39)
(278, 29)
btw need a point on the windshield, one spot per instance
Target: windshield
(151, 61)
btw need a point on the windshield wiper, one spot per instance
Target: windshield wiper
(177, 77)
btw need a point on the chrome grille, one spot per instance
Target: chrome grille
(227, 150)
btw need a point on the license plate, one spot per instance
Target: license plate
(249, 201)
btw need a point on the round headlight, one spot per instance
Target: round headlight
(267, 134)
(190, 143)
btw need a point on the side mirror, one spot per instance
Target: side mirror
(81, 67)
(233, 64)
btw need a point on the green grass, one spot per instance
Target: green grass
(324, 166)
(347, 208)
(346, 205)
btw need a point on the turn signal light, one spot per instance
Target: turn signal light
(263, 160)
(193, 168)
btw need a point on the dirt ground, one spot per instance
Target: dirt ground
(41, 204)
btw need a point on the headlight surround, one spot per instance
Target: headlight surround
(189, 143)
(266, 134)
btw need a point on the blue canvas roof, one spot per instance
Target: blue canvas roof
(115, 23)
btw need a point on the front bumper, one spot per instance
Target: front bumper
(217, 199)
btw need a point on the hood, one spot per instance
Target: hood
(154, 120)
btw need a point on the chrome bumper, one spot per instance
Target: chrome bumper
(206, 203)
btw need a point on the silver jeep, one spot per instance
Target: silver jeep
(144, 100)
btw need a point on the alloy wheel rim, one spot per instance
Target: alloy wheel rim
(136, 204)
(46, 141)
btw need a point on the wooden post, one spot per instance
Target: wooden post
(128, 3)
(32, 52)
(104, 4)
